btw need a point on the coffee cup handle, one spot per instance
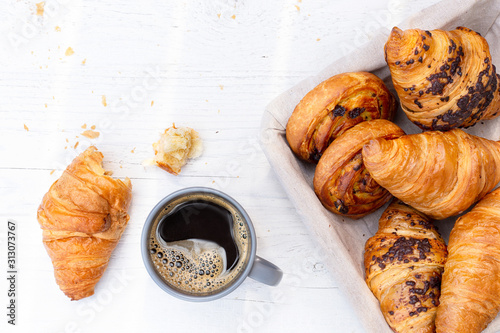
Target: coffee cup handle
(265, 272)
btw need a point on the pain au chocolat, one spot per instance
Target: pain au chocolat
(444, 79)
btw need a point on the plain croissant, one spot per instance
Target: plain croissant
(439, 174)
(342, 182)
(444, 79)
(404, 261)
(334, 106)
(83, 216)
(470, 297)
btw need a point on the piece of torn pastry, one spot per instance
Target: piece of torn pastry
(175, 147)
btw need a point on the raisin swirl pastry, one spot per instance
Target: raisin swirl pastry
(334, 106)
(444, 79)
(404, 261)
(341, 180)
(441, 174)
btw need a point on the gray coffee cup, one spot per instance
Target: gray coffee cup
(160, 256)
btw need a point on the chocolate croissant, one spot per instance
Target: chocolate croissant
(440, 174)
(334, 106)
(82, 217)
(470, 297)
(342, 182)
(404, 261)
(444, 79)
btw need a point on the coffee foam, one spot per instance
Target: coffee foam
(196, 266)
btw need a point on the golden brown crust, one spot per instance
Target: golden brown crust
(342, 182)
(470, 297)
(83, 216)
(404, 261)
(439, 174)
(334, 106)
(444, 79)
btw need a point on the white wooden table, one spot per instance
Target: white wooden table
(131, 69)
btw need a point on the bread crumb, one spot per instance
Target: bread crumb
(133, 150)
(84, 126)
(57, 28)
(298, 8)
(92, 127)
(233, 17)
(84, 61)
(26, 127)
(103, 100)
(67, 140)
(175, 147)
(152, 102)
(218, 15)
(91, 134)
(40, 8)
(69, 52)
(318, 39)
(76, 144)
(45, 105)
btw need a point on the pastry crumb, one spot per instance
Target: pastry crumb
(152, 102)
(57, 28)
(40, 8)
(52, 172)
(84, 61)
(298, 8)
(26, 128)
(133, 150)
(221, 87)
(84, 126)
(91, 134)
(175, 147)
(76, 144)
(92, 127)
(69, 52)
(103, 100)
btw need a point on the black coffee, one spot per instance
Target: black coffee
(200, 244)
(202, 220)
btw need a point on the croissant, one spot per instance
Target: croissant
(403, 265)
(82, 217)
(444, 79)
(334, 106)
(341, 181)
(470, 297)
(440, 174)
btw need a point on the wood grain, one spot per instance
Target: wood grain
(210, 65)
